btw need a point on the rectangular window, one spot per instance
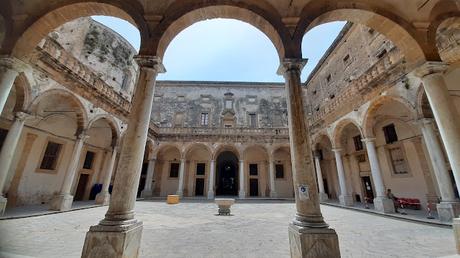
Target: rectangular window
(358, 143)
(3, 134)
(397, 160)
(179, 119)
(51, 156)
(89, 158)
(252, 120)
(228, 104)
(253, 171)
(279, 169)
(204, 119)
(174, 170)
(200, 169)
(346, 59)
(390, 134)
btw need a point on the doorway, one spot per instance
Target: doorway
(227, 174)
(199, 187)
(368, 191)
(81, 187)
(253, 187)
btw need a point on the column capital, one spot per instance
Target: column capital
(289, 64)
(426, 121)
(82, 135)
(337, 150)
(368, 140)
(150, 62)
(21, 116)
(430, 68)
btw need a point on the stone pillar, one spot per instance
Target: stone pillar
(309, 235)
(381, 202)
(7, 153)
(63, 200)
(319, 176)
(148, 191)
(119, 234)
(103, 197)
(449, 207)
(180, 188)
(211, 179)
(9, 70)
(242, 179)
(271, 174)
(345, 198)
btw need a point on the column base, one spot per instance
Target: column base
(447, 211)
(103, 198)
(456, 227)
(146, 193)
(61, 202)
(3, 202)
(180, 193)
(273, 194)
(384, 205)
(346, 200)
(119, 241)
(210, 195)
(323, 197)
(242, 194)
(313, 242)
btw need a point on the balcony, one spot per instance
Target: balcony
(209, 131)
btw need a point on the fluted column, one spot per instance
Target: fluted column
(381, 202)
(273, 193)
(64, 199)
(242, 179)
(7, 153)
(119, 233)
(104, 196)
(308, 227)
(148, 191)
(211, 179)
(319, 176)
(345, 198)
(449, 207)
(9, 69)
(180, 188)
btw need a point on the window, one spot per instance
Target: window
(180, 98)
(204, 119)
(358, 143)
(51, 155)
(397, 160)
(228, 104)
(174, 170)
(328, 78)
(252, 120)
(390, 134)
(3, 134)
(89, 158)
(332, 96)
(279, 171)
(179, 119)
(381, 53)
(253, 170)
(200, 169)
(346, 59)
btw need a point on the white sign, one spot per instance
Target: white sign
(303, 192)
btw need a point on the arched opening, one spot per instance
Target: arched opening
(323, 147)
(283, 172)
(168, 165)
(19, 97)
(196, 181)
(227, 174)
(256, 175)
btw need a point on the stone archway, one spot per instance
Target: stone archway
(227, 174)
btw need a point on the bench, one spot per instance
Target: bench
(412, 203)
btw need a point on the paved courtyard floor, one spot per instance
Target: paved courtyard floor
(256, 229)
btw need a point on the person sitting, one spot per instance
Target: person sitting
(391, 196)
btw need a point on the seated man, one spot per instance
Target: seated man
(391, 196)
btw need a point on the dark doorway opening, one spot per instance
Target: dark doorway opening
(368, 191)
(199, 187)
(81, 187)
(253, 187)
(227, 174)
(142, 179)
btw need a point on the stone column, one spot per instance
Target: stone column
(345, 198)
(180, 188)
(319, 176)
(211, 179)
(148, 191)
(9, 70)
(103, 197)
(449, 207)
(7, 153)
(119, 234)
(381, 202)
(308, 227)
(271, 174)
(63, 200)
(242, 179)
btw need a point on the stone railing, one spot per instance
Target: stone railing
(71, 73)
(223, 131)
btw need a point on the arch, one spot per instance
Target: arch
(436, 30)
(339, 128)
(369, 117)
(255, 146)
(190, 147)
(23, 93)
(112, 123)
(278, 147)
(267, 23)
(36, 29)
(167, 146)
(226, 147)
(80, 110)
(395, 28)
(316, 140)
(423, 108)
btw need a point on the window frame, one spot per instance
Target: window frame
(204, 119)
(170, 169)
(387, 135)
(58, 159)
(283, 171)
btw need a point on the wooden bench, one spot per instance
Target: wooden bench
(412, 203)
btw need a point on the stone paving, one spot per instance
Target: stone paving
(256, 229)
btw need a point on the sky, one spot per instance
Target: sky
(227, 50)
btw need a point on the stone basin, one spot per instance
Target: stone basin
(224, 205)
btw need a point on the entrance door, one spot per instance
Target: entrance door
(81, 187)
(227, 174)
(253, 187)
(368, 191)
(199, 187)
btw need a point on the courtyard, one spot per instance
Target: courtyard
(255, 229)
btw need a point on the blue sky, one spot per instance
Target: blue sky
(228, 50)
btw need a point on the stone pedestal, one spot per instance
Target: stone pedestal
(147, 193)
(121, 241)
(313, 242)
(323, 197)
(384, 205)
(61, 202)
(3, 202)
(103, 198)
(447, 211)
(346, 200)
